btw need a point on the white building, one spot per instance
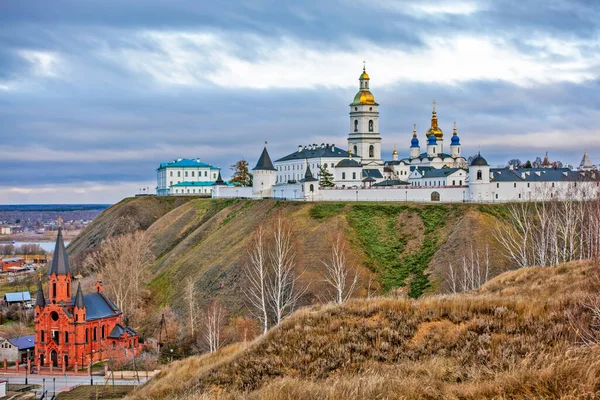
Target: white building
(434, 173)
(185, 176)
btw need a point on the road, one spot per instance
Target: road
(62, 383)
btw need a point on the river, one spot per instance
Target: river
(48, 246)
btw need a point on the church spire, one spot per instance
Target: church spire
(40, 300)
(60, 259)
(79, 296)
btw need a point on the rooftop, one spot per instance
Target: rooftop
(317, 152)
(186, 162)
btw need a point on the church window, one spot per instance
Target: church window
(460, 182)
(55, 337)
(355, 150)
(66, 337)
(370, 108)
(42, 336)
(453, 183)
(87, 335)
(54, 289)
(355, 125)
(370, 125)
(496, 195)
(76, 318)
(355, 108)
(54, 316)
(186, 174)
(102, 331)
(205, 173)
(354, 175)
(479, 175)
(193, 173)
(497, 185)
(515, 184)
(68, 289)
(178, 174)
(519, 195)
(343, 175)
(312, 188)
(527, 184)
(95, 334)
(371, 151)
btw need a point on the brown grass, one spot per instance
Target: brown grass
(513, 339)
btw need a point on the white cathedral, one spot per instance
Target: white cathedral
(428, 174)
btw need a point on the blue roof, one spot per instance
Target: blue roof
(414, 142)
(17, 296)
(98, 306)
(211, 183)
(186, 162)
(542, 175)
(23, 342)
(455, 140)
(432, 140)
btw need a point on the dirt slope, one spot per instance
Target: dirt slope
(400, 247)
(514, 338)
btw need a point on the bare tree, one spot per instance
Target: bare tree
(283, 289)
(515, 236)
(192, 307)
(214, 320)
(338, 273)
(257, 275)
(124, 262)
(474, 273)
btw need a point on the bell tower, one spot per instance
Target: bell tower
(364, 139)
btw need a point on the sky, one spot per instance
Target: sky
(95, 94)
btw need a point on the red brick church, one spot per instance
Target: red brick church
(75, 331)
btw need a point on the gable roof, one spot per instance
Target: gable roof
(440, 172)
(542, 175)
(23, 342)
(317, 152)
(119, 330)
(348, 163)
(17, 296)
(264, 162)
(60, 259)
(98, 306)
(372, 173)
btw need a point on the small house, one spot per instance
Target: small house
(21, 298)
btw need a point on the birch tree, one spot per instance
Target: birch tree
(214, 320)
(284, 289)
(338, 273)
(191, 304)
(257, 275)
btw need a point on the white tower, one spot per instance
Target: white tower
(265, 175)
(415, 149)
(364, 139)
(395, 154)
(479, 179)
(455, 144)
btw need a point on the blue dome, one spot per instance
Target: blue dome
(455, 140)
(414, 142)
(432, 139)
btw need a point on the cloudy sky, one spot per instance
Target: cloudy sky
(95, 94)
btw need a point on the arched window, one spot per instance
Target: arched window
(312, 187)
(102, 331)
(87, 335)
(371, 151)
(355, 150)
(370, 125)
(42, 337)
(435, 196)
(479, 175)
(54, 316)
(54, 289)
(95, 334)
(355, 125)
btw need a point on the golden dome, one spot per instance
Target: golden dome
(364, 76)
(364, 97)
(435, 129)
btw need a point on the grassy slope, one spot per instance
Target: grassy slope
(514, 338)
(396, 245)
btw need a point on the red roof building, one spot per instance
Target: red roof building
(76, 331)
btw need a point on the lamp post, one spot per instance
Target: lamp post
(91, 359)
(27, 367)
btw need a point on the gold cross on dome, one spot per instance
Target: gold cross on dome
(40, 275)
(364, 65)
(78, 277)
(434, 103)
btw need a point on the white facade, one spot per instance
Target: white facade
(178, 176)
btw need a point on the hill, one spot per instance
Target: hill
(396, 246)
(514, 338)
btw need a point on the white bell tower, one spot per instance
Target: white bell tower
(364, 140)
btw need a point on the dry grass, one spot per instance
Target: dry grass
(514, 339)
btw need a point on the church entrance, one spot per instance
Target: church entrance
(435, 196)
(41, 360)
(54, 358)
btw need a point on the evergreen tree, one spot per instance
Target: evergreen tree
(241, 175)
(527, 164)
(326, 177)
